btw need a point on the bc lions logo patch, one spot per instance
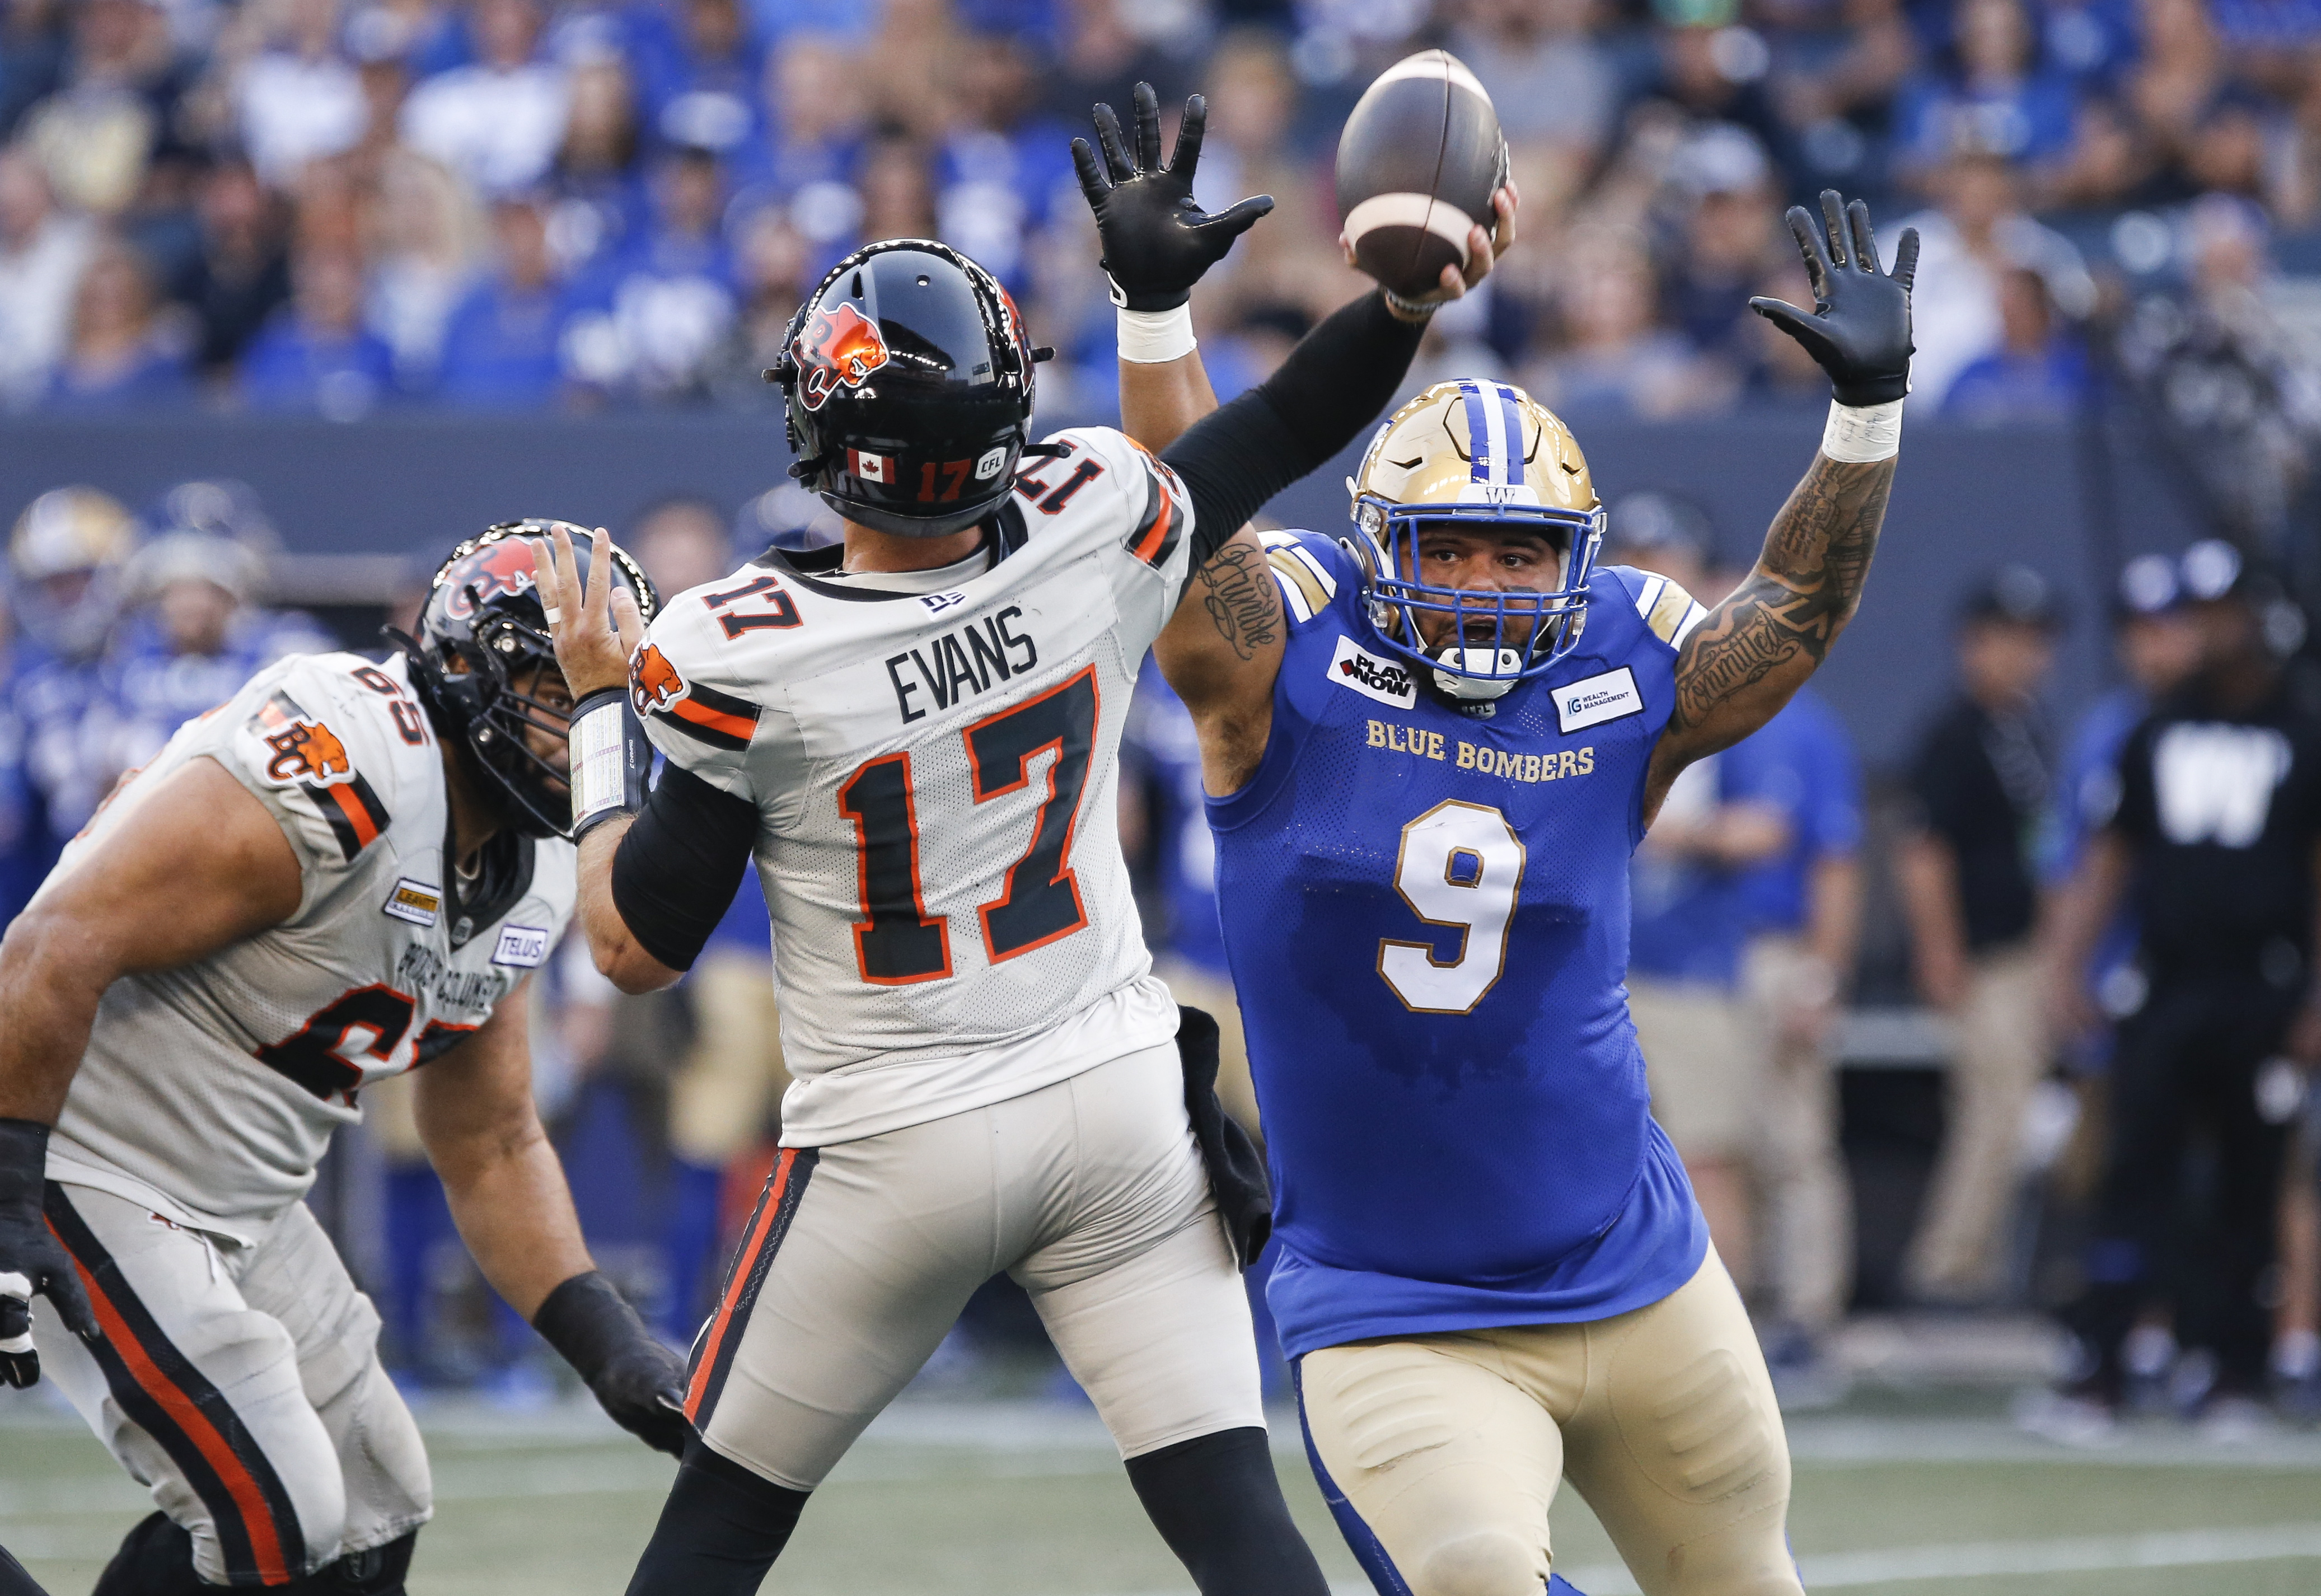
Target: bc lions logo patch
(836, 346)
(654, 681)
(307, 748)
(500, 570)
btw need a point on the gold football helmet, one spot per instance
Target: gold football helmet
(1466, 452)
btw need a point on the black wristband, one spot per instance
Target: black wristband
(586, 1320)
(23, 1161)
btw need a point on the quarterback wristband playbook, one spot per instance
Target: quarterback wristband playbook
(1150, 337)
(610, 759)
(1863, 435)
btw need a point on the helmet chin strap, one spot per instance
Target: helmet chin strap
(1503, 663)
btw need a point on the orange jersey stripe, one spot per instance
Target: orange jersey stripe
(768, 1209)
(717, 720)
(1148, 542)
(358, 817)
(257, 1519)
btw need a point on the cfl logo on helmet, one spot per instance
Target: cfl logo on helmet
(837, 346)
(653, 682)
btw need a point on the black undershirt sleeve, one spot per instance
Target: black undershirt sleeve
(1333, 385)
(679, 863)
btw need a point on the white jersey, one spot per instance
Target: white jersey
(935, 777)
(215, 1086)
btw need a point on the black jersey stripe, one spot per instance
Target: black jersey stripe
(164, 1394)
(356, 817)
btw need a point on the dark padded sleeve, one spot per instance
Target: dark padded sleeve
(677, 868)
(1333, 385)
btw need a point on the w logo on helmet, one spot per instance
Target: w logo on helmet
(838, 345)
(654, 681)
(501, 570)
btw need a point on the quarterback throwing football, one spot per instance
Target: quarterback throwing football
(915, 738)
(344, 872)
(1426, 780)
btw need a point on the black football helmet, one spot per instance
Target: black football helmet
(909, 378)
(480, 636)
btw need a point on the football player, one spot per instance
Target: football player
(915, 734)
(345, 871)
(1426, 783)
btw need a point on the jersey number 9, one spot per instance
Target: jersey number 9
(1459, 866)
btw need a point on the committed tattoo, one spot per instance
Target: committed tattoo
(1242, 602)
(1804, 590)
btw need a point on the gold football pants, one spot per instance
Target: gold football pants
(1440, 1453)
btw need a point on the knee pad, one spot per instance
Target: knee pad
(1487, 1562)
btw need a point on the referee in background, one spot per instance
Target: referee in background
(2213, 832)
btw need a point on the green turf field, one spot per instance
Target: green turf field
(1894, 1492)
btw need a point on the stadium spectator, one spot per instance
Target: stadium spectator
(2092, 41)
(806, 157)
(1965, 247)
(193, 633)
(1981, 785)
(1803, 910)
(118, 98)
(1620, 361)
(1712, 68)
(898, 197)
(1836, 88)
(2212, 839)
(702, 92)
(1994, 95)
(32, 57)
(42, 254)
(2039, 372)
(500, 346)
(315, 355)
(599, 197)
(999, 162)
(1551, 81)
(1705, 1055)
(773, 266)
(301, 99)
(121, 357)
(241, 273)
(497, 122)
(2178, 73)
(653, 317)
(427, 234)
(1727, 243)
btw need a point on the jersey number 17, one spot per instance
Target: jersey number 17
(896, 943)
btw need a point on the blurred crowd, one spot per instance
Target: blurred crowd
(330, 207)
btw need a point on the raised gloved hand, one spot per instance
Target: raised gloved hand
(637, 1381)
(1157, 239)
(32, 1262)
(1859, 328)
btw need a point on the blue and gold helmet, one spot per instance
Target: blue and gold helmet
(1467, 453)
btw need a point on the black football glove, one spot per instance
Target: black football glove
(1157, 241)
(1860, 329)
(637, 1381)
(31, 1260)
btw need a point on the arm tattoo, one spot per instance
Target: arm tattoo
(1238, 592)
(1792, 607)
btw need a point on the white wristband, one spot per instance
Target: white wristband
(1860, 436)
(1149, 337)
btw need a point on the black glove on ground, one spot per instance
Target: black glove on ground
(1157, 239)
(31, 1260)
(640, 1382)
(1860, 329)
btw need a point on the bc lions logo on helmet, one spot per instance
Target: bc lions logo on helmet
(836, 345)
(654, 681)
(501, 570)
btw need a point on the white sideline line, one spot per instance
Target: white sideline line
(2173, 1548)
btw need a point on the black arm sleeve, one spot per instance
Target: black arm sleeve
(1333, 384)
(678, 867)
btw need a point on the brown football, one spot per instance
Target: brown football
(1417, 165)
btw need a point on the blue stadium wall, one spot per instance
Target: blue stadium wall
(2072, 502)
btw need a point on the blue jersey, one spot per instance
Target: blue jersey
(1802, 762)
(1426, 916)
